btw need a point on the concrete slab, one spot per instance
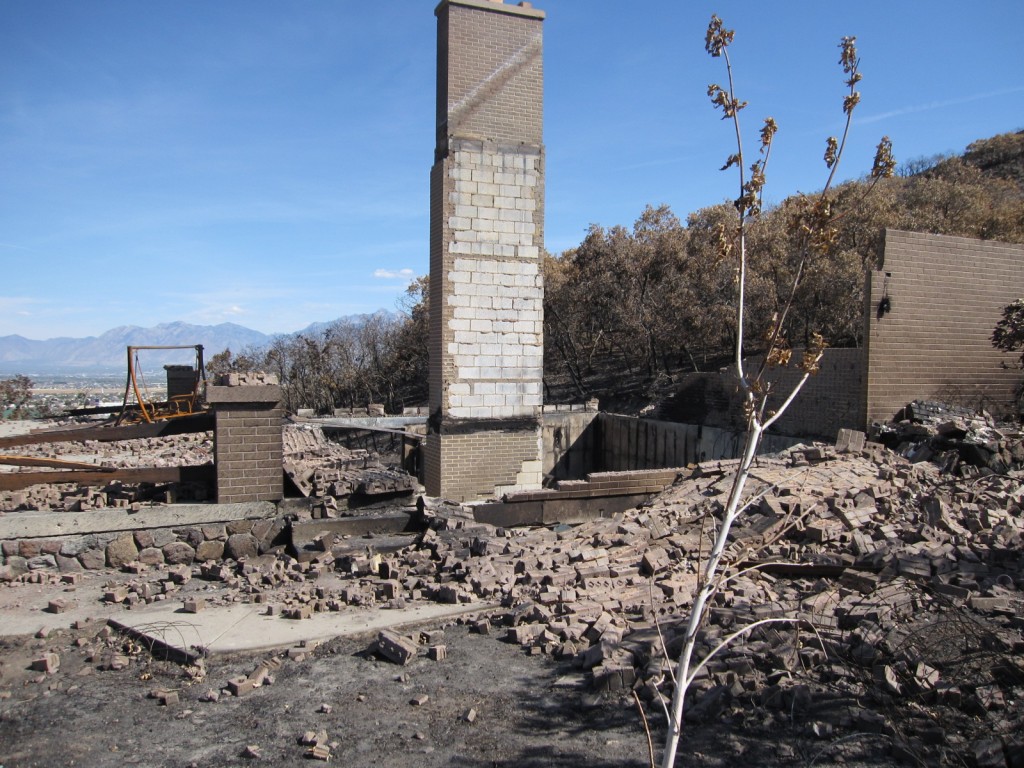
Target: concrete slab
(24, 607)
(219, 628)
(246, 627)
(358, 525)
(396, 423)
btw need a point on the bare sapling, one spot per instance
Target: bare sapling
(813, 232)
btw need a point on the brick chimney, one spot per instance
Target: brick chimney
(486, 239)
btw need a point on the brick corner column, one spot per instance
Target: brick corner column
(248, 442)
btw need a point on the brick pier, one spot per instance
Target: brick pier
(248, 442)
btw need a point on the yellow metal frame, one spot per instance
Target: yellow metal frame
(175, 407)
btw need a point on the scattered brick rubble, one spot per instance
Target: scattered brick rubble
(180, 450)
(905, 575)
(960, 441)
(909, 582)
(909, 573)
(249, 378)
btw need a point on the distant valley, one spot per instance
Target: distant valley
(107, 353)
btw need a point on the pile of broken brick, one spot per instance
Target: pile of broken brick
(335, 478)
(959, 440)
(902, 583)
(899, 583)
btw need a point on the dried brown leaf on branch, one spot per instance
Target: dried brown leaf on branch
(717, 37)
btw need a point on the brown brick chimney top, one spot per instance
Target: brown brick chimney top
(524, 8)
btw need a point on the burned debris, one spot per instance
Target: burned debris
(335, 478)
(881, 586)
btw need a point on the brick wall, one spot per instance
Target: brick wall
(248, 442)
(946, 295)
(491, 284)
(486, 237)
(830, 400)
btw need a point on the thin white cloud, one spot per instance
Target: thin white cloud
(45, 318)
(18, 305)
(212, 313)
(394, 274)
(917, 108)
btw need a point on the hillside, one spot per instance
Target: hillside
(630, 309)
(1001, 157)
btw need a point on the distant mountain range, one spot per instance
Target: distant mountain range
(107, 353)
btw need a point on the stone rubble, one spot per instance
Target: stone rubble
(885, 578)
(177, 451)
(960, 441)
(248, 378)
(889, 575)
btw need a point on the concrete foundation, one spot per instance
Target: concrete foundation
(569, 444)
(175, 534)
(624, 443)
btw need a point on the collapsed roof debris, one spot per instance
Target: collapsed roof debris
(960, 441)
(328, 473)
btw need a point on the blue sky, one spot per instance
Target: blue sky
(266, 163)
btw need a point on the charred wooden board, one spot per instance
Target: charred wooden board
(202, 422)
(15, 481)
(44, 461)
